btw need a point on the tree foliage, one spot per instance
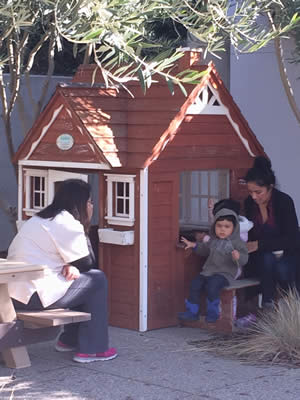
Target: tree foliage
(128, 39)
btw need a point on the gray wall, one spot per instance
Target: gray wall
(258, 91)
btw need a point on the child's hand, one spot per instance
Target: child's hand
(210, 202)
(188, 244)
(235, 255)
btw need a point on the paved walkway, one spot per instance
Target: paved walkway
(157, 365)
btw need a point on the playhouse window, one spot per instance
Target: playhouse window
(36, 191)
(41, 185)
(196, 187)
(120, 199)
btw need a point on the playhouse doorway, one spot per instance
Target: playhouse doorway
(196, 188)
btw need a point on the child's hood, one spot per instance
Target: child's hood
(236, 231)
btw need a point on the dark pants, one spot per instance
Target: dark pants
(212, 285)
(88, 293)
(272, 272)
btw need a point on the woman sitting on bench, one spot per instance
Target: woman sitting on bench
(274, 240)
(57, 238)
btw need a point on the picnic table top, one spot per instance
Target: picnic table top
(7, 267)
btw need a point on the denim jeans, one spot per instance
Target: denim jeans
(212, 285)
(272, 272)
(88, 293)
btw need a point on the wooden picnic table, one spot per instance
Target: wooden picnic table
(14, 357)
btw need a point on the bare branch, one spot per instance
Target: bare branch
(51, 65)
(29, 65)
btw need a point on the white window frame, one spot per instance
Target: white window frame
(51, 176)
(112, 216)
(33, 173)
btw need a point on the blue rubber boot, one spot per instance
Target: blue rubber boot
(212, 310)
(191, 313)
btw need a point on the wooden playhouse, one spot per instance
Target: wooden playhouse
(155, 160)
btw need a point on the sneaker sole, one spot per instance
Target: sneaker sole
(92, 359)
(61, 349)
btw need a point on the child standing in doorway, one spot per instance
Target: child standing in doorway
(227, 254)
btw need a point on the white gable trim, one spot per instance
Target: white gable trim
(63, 164)
(44, 130)
(205, 105)
(205, 102)
(237, 129)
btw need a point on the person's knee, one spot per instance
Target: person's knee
(97, 278)
(285, 273)
(213, 289)
(268, 262)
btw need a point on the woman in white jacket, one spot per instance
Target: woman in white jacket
(57, 238)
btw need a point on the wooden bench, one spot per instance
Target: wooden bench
(19, 330)
(47, 318)
(226, 321)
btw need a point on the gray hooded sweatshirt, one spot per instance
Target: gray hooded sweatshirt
(219, 260)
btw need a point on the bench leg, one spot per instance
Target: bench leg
(16, 357)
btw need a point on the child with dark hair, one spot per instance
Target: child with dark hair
(245, 224)
(226, 253)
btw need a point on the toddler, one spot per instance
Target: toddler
(227, 253)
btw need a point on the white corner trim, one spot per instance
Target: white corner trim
(44, 131)
(63, 164)
(143, 306)
(20, 192)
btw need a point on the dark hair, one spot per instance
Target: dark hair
(72, 195)
(230, 204)
(230, 218)
(261, 173)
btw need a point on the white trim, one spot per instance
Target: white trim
(29, 173)
(111, 217)
(120, 221)
(63, 164)
(237, 129)
(20, 192)
(44, 130)
(143, 306)
(205, 105)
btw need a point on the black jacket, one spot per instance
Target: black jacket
(285, 219)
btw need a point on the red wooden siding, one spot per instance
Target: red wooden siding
(121, 265)
(163, 235)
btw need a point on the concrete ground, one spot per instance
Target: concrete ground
(156, 365)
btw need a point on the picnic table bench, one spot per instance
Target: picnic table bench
(18, 329)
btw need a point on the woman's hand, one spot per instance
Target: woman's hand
(235, 255)
(188, 244)
(70, 273)
(252, 246)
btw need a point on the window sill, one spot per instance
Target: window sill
(30, 212)
(120, 221)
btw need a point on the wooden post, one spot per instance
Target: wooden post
(16, 357)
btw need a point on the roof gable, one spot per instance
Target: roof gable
(211, 97)
(58, 118)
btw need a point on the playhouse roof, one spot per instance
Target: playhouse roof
(113, 129)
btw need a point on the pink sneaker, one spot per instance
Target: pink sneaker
(245, 322)
(86, 358)
(62, 347)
